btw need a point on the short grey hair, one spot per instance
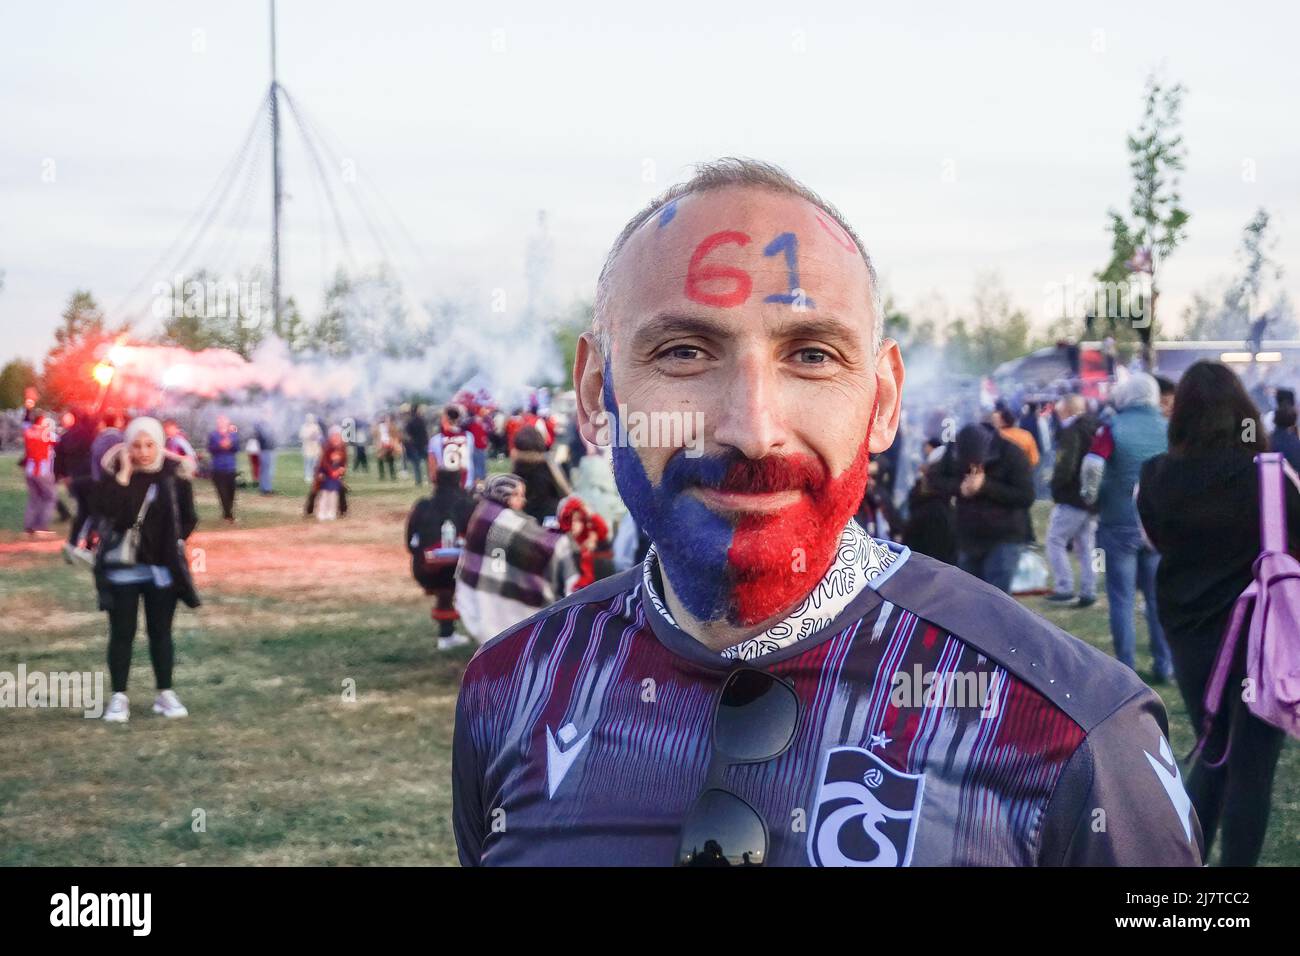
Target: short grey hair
(720, 174)
(1138, 389)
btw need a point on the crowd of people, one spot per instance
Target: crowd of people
(493, 549)
(1155, 486)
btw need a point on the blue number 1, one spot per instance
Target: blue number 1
(788, 243)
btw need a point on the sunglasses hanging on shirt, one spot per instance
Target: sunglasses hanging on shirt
(754, 721)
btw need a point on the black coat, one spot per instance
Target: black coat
(168, 522)
(449, 502)
(1072, 444)
(1202, 514)
(999, 512)
(72, 453)
(930, 526)
(417, 437)
(542, 491)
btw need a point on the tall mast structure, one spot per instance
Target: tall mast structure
(275, 183)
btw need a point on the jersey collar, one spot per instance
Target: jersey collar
(859, 560)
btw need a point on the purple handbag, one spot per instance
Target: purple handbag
(1271, 605)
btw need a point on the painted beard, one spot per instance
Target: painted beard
(743, 569)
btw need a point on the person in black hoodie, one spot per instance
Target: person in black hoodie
(417, 442)
(930, 521)
(147, 504)
(544, 480)
(1073, 520)
(433, 559)
(993, 484)
(72, 464)
(1199, 506)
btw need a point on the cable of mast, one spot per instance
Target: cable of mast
(314, 155)
(368, 182)
(275, 182)
(307, 124)
(306, 120)
(241, 213)
(211, 218)
(226, 176)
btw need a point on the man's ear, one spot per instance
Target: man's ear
(589, 384)
(889, 392)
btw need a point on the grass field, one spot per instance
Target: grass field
(283, 768)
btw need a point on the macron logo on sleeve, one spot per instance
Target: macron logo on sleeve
(1166, 770)
(559, 761)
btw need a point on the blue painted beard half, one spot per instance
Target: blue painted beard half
(691, 541)
(738, 571)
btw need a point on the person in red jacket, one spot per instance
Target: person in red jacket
(590, 536)
(331, 468)
(545, 426)
(38, 465)
(478, 424)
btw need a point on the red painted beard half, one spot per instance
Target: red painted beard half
(777, 559)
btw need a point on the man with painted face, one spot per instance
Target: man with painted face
(771, 685)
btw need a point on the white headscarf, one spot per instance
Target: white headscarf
(119, 453)
(153, 428)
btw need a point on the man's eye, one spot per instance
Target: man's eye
(683, 352)
(812, 356)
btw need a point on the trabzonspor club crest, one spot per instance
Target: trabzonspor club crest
(866, 811)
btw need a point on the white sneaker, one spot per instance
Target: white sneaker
(119, 709)
(456, 640)
(169, 705)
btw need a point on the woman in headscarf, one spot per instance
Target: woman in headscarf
(147, 504)
(511, 566)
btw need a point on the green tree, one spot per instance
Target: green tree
(911, 332)
(292, 328)
(567, 330)
(959, 347)
(79, 341)
(994, 333)
(1156, 222)
(331, 334)
(15, 378)
(1229, 315)
(204, 311)
(1242, 299)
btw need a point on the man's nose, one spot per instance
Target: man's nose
(750, 418)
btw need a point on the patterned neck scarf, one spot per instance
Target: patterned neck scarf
(858, 559)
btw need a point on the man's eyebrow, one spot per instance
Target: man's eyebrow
(668, 324)
(822, 325)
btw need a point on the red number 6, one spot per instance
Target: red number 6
(698, 273)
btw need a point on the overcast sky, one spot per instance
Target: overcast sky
(957, 138)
